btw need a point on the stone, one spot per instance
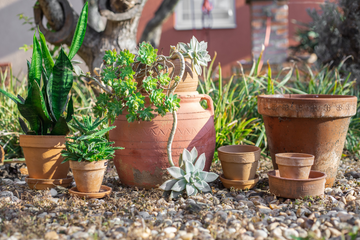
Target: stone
(53, 192)
(334, 232)
(263, 209)
(276, 233)
(290, 233)
(42, 215)
(260, 233)
(273, 225)
(144, 215)
(83, 235)
(187, 236)
(7, 181)
(302, 232)
(222, 215)
(170, 230)
(52, 235)
(193, 207)
(344, 216)
(6, 194)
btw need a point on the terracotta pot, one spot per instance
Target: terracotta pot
(43, 156)
(41, 184)
(188, 83)
(88, 175)
(144, 160)
(313, 124)
(294, 165)
(239, 162)
(190, 79)
(297, 188)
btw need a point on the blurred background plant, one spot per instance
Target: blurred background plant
(334, 34)
(236, 118)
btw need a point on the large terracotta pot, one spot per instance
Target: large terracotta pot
(313, 124)
(43, 156)
(88, 175)
(144, 160)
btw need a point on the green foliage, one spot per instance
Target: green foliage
(126, 94)
(197, 52)
(190, 176)
(89, 144)
(48, 87)
(334, 34)
(236, 118)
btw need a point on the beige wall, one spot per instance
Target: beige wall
(13, 34)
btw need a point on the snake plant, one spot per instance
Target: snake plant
(49, 85)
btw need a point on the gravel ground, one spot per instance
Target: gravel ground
(145, 214)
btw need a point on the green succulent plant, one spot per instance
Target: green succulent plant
(190, 176)
(197, 52)
(49, 85)
(89, 144)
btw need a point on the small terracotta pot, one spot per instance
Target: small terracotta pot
(190, 79)
(239, 162)
(43, 156)
(294, 165)
(88, 175)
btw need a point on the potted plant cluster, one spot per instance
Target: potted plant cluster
(147, 111)
(88, 152)
(44, 121)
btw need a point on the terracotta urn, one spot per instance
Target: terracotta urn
(144, 160)
(43, 156)
(88, 175)
(239, 162)
(294, 165)
(313, 124)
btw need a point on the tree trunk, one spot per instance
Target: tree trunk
(118, 33)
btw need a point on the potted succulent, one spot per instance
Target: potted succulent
(49, 84)
(147, 113)
(88, 152)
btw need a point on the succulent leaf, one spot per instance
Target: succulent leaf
(190, 190)
(194, 154)
(179, 185)
(186, 155)
(176, 172)
(166, 186)
(208, 176)
(200, 163)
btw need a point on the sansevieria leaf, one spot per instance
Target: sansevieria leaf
(59, 84)
(36, 62)
(79, 32)
(48, 61)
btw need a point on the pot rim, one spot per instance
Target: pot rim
(299, 160)
(222, 149)
(307, 97)
(272, 174)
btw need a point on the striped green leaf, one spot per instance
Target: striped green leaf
(11, 96)
(60, 128)
(48, 61)
(36, 62)
(79, 32)
(33, 119)
(59, 84)
(70, 110)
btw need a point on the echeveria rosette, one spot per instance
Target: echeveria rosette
(197, 52)
(189, 176)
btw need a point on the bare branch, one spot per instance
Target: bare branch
(53, 13)
(152, 31)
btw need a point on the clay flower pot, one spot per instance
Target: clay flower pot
(88, 175)
(294, 165)
(144, 160)
(190, 79)
(43, 156)
(239, 162)
(313, 124)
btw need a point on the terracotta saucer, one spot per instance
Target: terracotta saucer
(104, 191)
(42, 184)
(297, 188)
(239, 184)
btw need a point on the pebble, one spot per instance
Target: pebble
(52, 235)
(53, 192)
(290, 233)
(260, 233)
